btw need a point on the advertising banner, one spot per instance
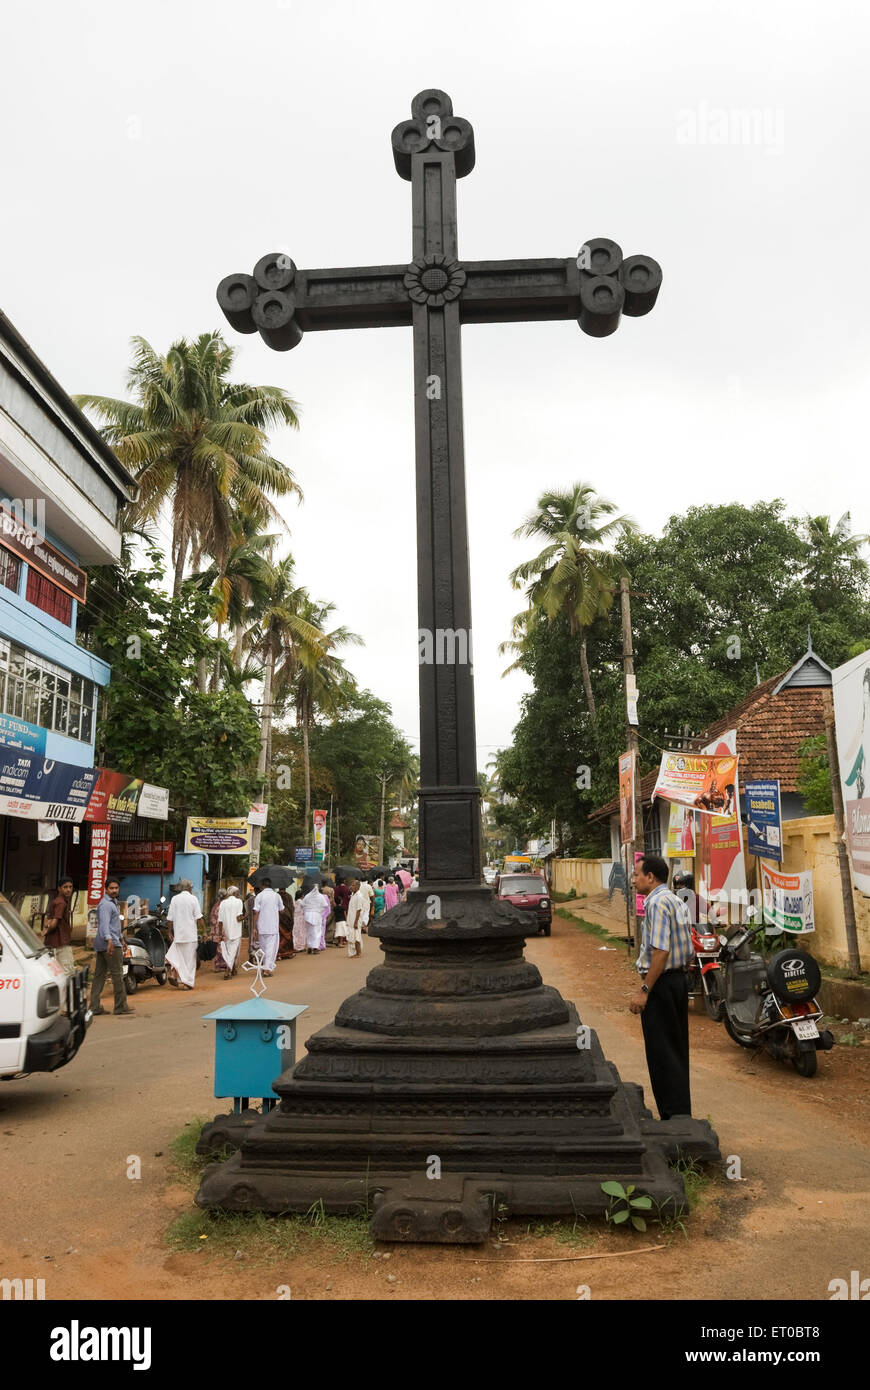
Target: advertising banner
(365, 849)
(851, 691)
(626, 797)
(719, 855)
(681, 832)
(217, 835)
(707, 783)
(114, 798)
(98, 864)
(319, 818)
(304, 854)
(788, 900)
(142, 856)
(37, 788)
(764, 820)
(17, 733)
(258, 814)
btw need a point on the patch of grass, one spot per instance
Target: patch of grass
(182, 1148)
(840, 972)
(592, 928)
(261, 1237)
(575, 1231)
(850, 1040)
(695, 1180)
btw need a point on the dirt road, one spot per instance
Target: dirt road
(73, 1217)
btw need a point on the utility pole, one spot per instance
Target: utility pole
(840, 821)
(381, 831)
(632, 744)
(263, 761)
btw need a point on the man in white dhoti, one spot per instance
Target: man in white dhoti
(267, 909)
(185, 918)
(314, 905)
(357, 910)
(230, 919)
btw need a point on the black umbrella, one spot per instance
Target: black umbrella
(379, 872)
(349, 870)
(280, 874)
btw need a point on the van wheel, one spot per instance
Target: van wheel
(131, 984)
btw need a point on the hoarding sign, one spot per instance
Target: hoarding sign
(98, 864)
(851, 691)
(17, 733)
(217, 835)
(626, 797)
(142, 856)
(764, 820)
(788, 900)
(153, 802)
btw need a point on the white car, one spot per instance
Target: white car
(489, 873)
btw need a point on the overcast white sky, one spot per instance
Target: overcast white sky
(150, 149)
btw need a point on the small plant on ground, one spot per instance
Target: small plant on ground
(623, 1206)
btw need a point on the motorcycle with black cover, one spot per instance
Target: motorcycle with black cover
(772, 1004)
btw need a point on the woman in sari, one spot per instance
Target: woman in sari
(216, 932)
(299, 925)
(285, 927)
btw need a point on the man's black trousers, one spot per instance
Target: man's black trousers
(665, 1022)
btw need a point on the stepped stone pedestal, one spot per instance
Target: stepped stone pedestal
(454, 1083)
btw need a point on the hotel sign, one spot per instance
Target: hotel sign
(41, 555)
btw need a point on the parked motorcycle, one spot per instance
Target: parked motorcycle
(145, 952)
(772, 1004)
(705, 971)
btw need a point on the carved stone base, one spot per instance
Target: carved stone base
(454, 1083)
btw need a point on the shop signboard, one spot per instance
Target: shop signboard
(98, 863)
(217, 835)
(142, 856)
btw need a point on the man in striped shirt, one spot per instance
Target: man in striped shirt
(663, 1001)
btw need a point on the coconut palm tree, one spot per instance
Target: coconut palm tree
(280, 636)
(576, 572)
(197, 443)
(833, 560)
(317, 679)
(240, 584)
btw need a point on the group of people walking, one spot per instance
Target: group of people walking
(279, 925)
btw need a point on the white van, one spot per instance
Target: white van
(35, 1035)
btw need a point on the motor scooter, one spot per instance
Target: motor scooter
(145, 951)
(772, 1004)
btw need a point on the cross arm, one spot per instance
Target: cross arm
(281, 302)
(540, 290)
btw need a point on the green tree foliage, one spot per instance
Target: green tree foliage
(349, 757)
(197, 443)
(814, 778)
(725, 588)
(154, 722)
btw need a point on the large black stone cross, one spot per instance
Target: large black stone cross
(454, 1055)
(436, 294)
